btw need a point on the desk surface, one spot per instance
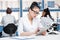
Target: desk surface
(46, 37)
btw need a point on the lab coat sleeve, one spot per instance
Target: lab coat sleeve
(15, 20)
(39, 24)
(20, 27)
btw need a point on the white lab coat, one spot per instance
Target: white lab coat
(26, 26)
(46, 22)
(6, 20)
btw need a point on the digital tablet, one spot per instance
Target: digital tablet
(41, 31)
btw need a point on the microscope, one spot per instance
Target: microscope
(52, 29)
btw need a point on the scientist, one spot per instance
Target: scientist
(46, 18)
(7, 20)
(28, 25)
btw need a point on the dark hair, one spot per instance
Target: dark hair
(47, 12)
(34, 4)
(8, 11)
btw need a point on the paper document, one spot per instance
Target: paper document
(23, 37)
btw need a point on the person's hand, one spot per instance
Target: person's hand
(36, 31)
(44, 33)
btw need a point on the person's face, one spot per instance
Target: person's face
(43, 14)
(34, 12)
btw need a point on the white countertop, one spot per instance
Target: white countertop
(46, 37)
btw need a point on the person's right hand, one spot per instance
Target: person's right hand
(44, 33)
(36, 31)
